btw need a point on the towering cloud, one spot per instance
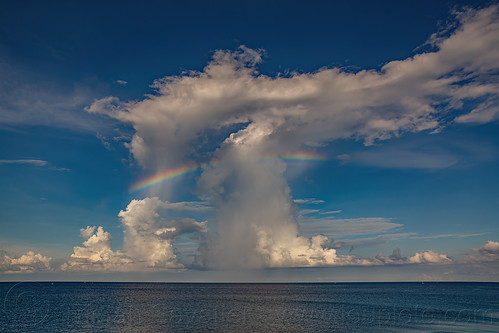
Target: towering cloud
(149, 241)
(236, 116)
(96, 253)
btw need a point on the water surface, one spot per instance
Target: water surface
(198, 307)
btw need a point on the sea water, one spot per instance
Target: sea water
(220, 307)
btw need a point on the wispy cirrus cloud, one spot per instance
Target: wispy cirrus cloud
(447, 236)
(327, 212)
(348, 227)
(308, 201)
(433, 152)
(38, 163)
(188, 205)
(308, 211)
(401, 159)
(367, 242)
(28, 99)
(32, 162)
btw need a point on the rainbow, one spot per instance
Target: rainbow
(160, 177)
(303, 156)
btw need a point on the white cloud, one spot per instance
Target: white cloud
(26, 263)
(422, 152)
(96, 253)
(255, 225)
(484, 113)
(256, 116)
(487, 253)
(369, 241)
(142, 240)
(33, 162)
(26, 98)
(428, 257)
(39, 163)
(364, 242)
(309, 211)
(348, 227)
(187, 205)
(294, 251)
(446, 236)
(121, 82)
(490, 249)
(308, 201)
(406, 95)
(149, 241)
(331, 212)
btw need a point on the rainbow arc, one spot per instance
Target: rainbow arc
(163, 176)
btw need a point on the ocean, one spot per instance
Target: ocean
(253, 307)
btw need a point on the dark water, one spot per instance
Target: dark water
(158, 307)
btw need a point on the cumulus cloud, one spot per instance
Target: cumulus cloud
(295, 251)
(286, 250)
(486, 254)
(490, 249)
(426, 257)
(237, 117)
(149, 241)
(26, 263)
(96, 253)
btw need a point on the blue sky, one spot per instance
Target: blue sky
(397, 104)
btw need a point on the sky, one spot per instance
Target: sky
(261, 141)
